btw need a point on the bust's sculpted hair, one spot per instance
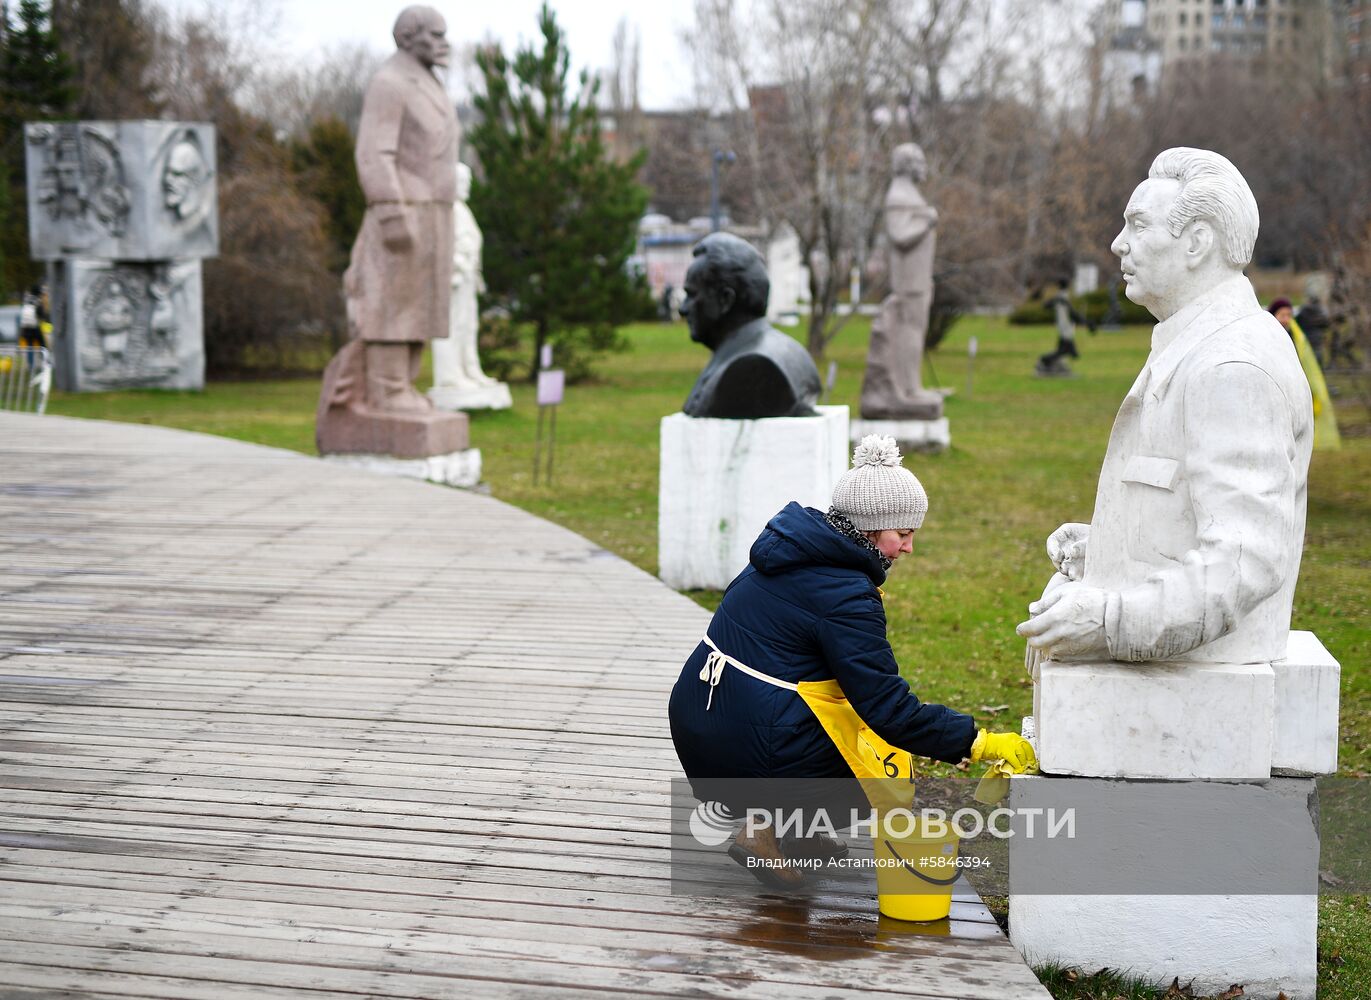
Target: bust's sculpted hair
(1212, 189)
(737, 263)
(412, 20)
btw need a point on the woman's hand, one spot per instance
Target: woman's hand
(1011, 748)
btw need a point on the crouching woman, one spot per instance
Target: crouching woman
(808, 608)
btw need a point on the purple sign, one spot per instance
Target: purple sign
(551, 382)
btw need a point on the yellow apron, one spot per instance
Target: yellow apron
(876, 763)
(869, 756)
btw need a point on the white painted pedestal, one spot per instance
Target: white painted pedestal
(1187, 724)
(460, 468)
(1152, 833)
(910, 435)
(722, 480)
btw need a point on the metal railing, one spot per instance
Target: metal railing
(25, 378)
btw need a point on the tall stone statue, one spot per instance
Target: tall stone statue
(398, 282)
(458, 381)
(756, 371)
(1195, 543)
(893, 387)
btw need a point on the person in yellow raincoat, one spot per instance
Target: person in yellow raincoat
(1326, 434)
(795, 677)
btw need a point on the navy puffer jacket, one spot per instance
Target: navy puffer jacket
(806, 609)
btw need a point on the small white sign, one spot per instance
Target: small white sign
(971, 346)
(551, 382)
(545, 356)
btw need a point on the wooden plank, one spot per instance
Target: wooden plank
(288, 949)
(253, 746)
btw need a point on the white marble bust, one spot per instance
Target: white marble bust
(1195, 543)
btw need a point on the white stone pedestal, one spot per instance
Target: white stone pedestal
(910, 435)
(1178, 721)
(1115, 895)
(460, 468)
(485, 397)
(722, 480)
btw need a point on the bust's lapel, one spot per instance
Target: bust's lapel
(1231, 303)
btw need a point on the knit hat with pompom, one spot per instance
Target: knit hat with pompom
(877, 492)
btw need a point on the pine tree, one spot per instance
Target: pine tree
(559, 216)
(327, 172)
(35, 85)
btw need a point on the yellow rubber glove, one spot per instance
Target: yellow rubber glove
(1012, 755)
(1011, 748)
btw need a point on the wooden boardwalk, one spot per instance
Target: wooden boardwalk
(272, 728)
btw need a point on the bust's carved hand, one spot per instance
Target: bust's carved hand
(1066, 549)
(1067, 622)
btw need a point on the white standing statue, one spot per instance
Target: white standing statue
(458, 381)
(1194, 547)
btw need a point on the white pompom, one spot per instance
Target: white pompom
(876, 449)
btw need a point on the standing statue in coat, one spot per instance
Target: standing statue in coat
(893, 386)
(1195, 544)
(397, 285)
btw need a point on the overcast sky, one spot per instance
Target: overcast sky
(304, 28)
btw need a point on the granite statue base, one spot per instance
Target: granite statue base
(1139, 885)
(722, 480)
(356, 431)
(483, 397)
(460, 468)
(910, 435)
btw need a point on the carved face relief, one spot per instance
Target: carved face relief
(1152, 260)
(183, 179)
(83, 177)
(429, 44)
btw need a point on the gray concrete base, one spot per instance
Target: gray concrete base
(459, 468)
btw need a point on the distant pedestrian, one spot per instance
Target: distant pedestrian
(1066, 318)
(1326, 434)
(1314, 321)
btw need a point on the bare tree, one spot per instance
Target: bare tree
(293, 97)
(822, 89)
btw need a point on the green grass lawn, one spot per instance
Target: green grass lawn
(1025, 457)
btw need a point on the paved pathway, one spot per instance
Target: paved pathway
(271, 728)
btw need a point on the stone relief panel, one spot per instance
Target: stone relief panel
(137, 190)
(130, 325)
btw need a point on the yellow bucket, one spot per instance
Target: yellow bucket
(915, 873)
